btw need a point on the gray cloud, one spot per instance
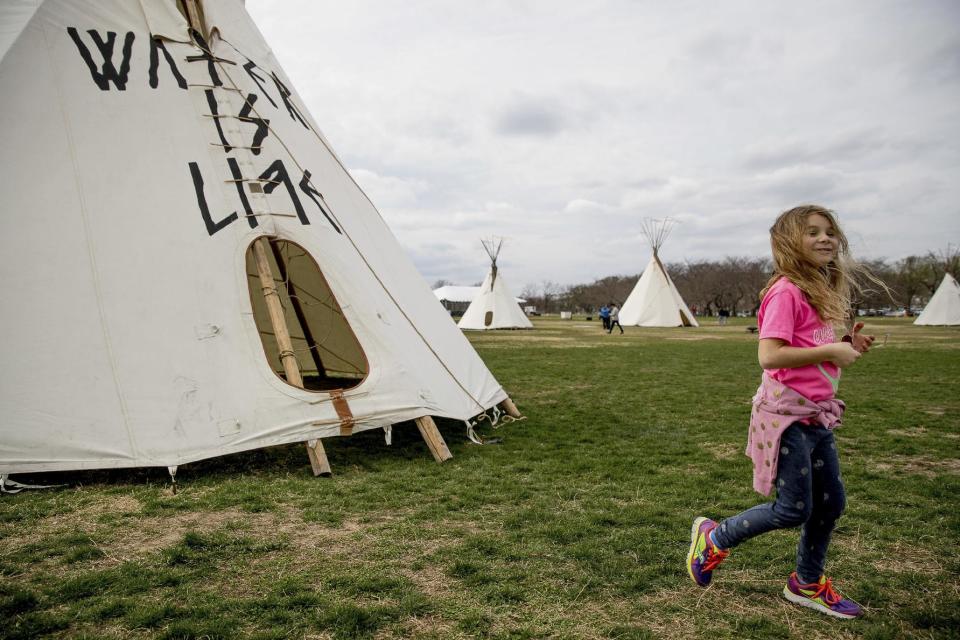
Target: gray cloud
(529, 118)
(847, 146)
(561, 125)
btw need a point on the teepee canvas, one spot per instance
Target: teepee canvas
(494, 307)
(944, 307)
(655, 301)
(188, 270)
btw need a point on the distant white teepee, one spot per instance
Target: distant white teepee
(655, 301)
(494, 307)
(944, 306)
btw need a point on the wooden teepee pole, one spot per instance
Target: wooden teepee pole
(193, 16)
(318, 457)
(492, 247)
(298, 311)
(272, 297)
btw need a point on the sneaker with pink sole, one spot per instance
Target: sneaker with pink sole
(822, 597)
(704, 556)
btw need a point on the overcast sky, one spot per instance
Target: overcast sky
(560, 125)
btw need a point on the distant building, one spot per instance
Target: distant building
(456, 299)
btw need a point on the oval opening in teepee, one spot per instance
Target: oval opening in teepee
(325, 352)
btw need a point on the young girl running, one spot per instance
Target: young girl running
(795, 409)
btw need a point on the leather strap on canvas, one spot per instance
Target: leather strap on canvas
(343, 412)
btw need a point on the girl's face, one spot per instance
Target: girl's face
(820, 241)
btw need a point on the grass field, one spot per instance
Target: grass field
(575, 525)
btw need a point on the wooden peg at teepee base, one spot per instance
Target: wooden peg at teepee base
(510, 408)
(431, 435)
(318, 458)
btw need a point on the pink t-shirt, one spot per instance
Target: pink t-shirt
(786, 314)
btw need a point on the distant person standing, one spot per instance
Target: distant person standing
(605, 317)
(723, 315)
(614, 318)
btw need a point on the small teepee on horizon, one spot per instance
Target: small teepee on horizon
(494, 307)
(944, 307)
(655, 301)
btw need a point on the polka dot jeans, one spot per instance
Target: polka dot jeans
(810, 495)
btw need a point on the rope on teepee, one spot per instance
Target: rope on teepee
(496, 420)
(12, 486)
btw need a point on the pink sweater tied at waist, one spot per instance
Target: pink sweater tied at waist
(775, 407)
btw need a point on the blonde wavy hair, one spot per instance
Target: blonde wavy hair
(828, 289)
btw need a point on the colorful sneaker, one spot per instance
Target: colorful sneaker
(822, 597)
(704, 556)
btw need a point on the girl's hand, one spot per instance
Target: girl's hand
(861, 342)
(843, 354)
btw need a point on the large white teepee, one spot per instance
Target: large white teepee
(944, 307)
(157, 183)
(655, 301)
(494, 307)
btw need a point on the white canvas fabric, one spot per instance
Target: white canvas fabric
(494, 307)
(655, 301)
(944, 306)
(128, 334)
(14, 16)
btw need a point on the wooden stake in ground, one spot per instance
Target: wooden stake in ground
(511, 408)
(428, 429)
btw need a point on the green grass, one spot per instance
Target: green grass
(574, 526)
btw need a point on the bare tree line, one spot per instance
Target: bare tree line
(735, 283)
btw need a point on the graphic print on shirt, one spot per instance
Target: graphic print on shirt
(825, 335)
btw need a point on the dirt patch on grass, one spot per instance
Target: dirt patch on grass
(308, 535)
(432, 581)
(725, 450)
(112, 505)
(919, 466)
(152, 534)
(660, 611)
(589, 618)
(910, 433)
(88, 511)
(133, 539)
(559, 390)
(80, 520)
(908, 558)
(149, 535)
(531, 337)
(420, 627)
